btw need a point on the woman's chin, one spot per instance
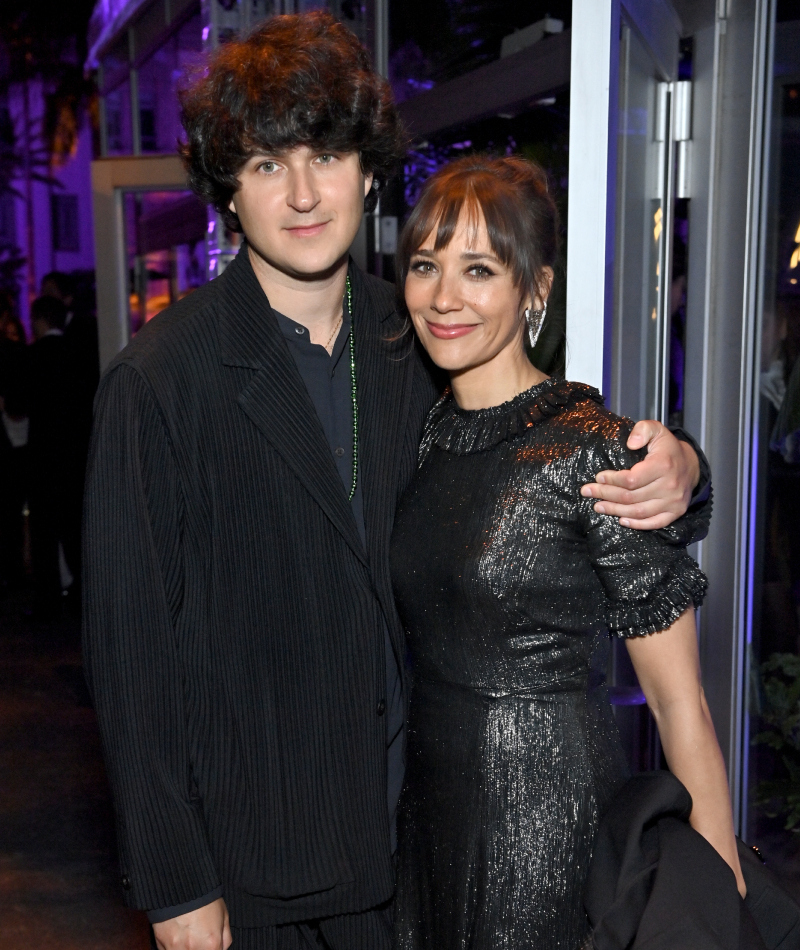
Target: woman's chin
(451, 358)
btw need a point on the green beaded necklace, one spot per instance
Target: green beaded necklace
(353, 387)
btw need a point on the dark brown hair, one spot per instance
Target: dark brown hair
(511, 193)
(51, 310)
(295, 80)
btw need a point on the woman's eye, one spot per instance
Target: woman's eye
(481, 271)
(422, 267)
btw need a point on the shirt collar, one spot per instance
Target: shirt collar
(297, 335)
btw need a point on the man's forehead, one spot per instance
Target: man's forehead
(261, 153)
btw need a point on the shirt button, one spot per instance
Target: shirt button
(300, 330)
(339, 452)
(125, 881)
(381, 707)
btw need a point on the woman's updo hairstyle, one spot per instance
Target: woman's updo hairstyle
(511, 194)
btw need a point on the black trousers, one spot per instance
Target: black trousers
(370, 930)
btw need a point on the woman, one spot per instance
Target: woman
(507, 581)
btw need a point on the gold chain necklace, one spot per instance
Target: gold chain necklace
(335, 330)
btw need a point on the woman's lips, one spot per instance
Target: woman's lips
(450, 331)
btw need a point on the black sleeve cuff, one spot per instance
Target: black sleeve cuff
(693, 526)
(161, 914)
(702, 490)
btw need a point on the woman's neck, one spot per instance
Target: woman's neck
(495, 382)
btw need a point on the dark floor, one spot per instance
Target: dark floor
(58, 874)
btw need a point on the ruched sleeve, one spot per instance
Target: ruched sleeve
(648, 579)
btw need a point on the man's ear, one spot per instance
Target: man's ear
(231, 206)
(368, 179)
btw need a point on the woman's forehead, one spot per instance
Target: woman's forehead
(467, 232)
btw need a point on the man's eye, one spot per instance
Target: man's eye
(267, 167)
(326, 158)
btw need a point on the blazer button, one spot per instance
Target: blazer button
(126, 882)
(381, 707)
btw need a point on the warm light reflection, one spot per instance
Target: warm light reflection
(657, 217)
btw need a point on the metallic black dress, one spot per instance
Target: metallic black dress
(508, 583)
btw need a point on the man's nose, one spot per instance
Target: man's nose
(303, 195)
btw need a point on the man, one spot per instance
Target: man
(80, 345)
(250, 446)
(53, 456)
(80, 329)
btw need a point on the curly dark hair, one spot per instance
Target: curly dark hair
(510, 193)
(296, 80)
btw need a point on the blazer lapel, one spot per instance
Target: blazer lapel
(275, 398)
(385, 373)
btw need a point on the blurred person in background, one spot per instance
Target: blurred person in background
(55, 458)
(80, 328)
(13, 443)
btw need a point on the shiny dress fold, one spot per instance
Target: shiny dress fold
(508, 584)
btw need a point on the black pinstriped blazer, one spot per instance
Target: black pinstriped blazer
(233, 630)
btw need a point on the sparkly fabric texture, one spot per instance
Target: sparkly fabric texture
(507, 583)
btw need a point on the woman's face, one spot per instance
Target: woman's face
(462, 299)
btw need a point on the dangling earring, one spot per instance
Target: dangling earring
(535, 321)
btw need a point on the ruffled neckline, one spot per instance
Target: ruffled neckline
(462, 431)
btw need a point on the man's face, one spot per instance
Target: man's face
(301, 209)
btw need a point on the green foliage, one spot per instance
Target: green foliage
(780, 720)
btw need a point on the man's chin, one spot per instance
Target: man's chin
(307, 268)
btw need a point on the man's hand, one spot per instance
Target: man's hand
(657, 490)
(206, 928)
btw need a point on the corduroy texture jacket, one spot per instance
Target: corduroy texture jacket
(233, 631)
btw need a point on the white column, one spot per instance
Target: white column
(592, 158)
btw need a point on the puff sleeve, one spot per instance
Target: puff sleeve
(648, 579)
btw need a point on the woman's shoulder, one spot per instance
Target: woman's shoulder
(598, 433)
(587, 415)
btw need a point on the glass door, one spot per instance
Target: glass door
(772, 714)
(165, 235)
(646, 308)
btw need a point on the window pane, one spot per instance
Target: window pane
(66, 228)
(432, 41)
(159, 80)
(118, 120)
(165, 233)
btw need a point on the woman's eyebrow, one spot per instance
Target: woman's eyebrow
(423, 252)
(476, 256)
